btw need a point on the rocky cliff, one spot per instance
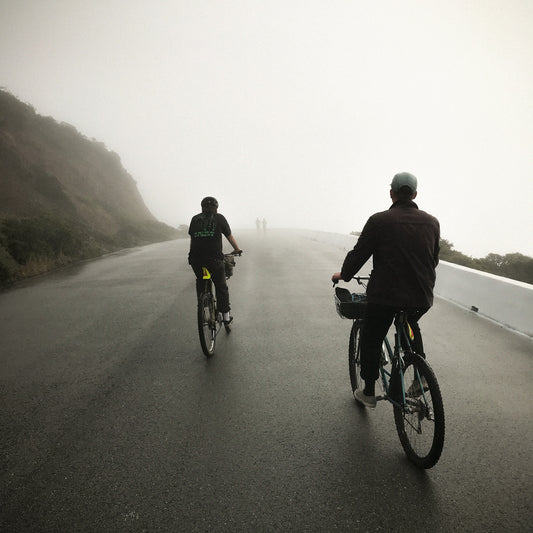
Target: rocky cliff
(63, 197)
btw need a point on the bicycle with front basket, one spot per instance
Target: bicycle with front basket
(210, 320)
(409, 383)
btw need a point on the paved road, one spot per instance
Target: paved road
(113, 420)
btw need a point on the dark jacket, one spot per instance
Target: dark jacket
(404, 244)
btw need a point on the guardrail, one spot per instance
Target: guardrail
(503, 300)
(500, 299)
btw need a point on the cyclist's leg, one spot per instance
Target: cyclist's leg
(197, 268)
(413, 316)
(377, 321)
(218, 275)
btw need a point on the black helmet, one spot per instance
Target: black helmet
(209, 201)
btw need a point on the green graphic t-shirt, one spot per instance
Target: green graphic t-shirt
(206, 230)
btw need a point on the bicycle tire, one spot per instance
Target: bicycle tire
(420, 421)
(354, 360)
(207, 323)
(354, 355)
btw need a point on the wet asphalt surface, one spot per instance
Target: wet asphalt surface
(113, 420)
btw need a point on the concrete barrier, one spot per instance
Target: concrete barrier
(503, 300)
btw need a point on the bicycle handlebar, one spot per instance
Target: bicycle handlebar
(239, 253)
(360, 280)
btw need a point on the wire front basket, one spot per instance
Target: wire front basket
(350, 305)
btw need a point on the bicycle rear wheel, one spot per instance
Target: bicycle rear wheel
(420, 421)
(354, 360)
(207, 323)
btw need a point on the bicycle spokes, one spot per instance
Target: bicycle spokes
(420, 416)
(207, 324)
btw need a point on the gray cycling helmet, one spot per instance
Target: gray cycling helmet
(404, 179)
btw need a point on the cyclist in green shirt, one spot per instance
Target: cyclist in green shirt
(206, 230)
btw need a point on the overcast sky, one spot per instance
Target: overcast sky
(299, 111)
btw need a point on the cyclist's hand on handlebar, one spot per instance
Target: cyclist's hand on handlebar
(236, 252)
(336, 278)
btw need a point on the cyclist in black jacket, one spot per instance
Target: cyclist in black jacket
(404, 245)
(206, 230)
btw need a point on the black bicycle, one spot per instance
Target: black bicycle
(210, 320)
(408, 383)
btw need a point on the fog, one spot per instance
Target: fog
(298, 111)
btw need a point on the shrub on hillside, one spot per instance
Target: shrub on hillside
(31, 246)
(8, 266)
(43, 236)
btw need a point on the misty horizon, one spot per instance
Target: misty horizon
(298, 113)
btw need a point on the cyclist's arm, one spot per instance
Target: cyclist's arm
(361, 253)
(355, 260)
(437, 245)
(233, 242)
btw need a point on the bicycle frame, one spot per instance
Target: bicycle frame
(402, 343)
(409, 384)
(403, 336)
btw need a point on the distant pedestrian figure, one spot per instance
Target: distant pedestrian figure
(264, 225)
(258, 224)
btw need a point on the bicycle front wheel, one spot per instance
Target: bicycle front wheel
(207, 323)
(354, 355)
(420, 418)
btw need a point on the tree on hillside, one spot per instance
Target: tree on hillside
(514, 266)
(447, 253)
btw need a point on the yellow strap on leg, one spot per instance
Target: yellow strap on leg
(410, 330)
(206, 274)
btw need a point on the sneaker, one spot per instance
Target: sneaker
(362, 398)
(228, 322)
(414, 389)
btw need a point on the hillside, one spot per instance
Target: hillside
(63, 197)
